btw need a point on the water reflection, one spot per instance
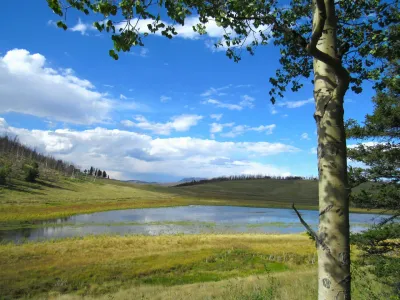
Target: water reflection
(183, 219)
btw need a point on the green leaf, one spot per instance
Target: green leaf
(60, 24)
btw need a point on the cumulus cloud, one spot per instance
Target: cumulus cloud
(29, 86)
(241, 129)
(295, 104)
(178, 123)
(128, 154)
(221, 104)
(214, 34)
(217, 127)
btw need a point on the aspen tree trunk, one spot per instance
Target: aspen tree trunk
(333, 232)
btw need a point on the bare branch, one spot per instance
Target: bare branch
(309, 229)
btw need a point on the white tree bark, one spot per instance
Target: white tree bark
(331, 82)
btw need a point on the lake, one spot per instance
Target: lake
(174, 220)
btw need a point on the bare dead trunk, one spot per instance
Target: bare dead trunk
(333, 232)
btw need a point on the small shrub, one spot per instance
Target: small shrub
(5, 171)
(31, 172)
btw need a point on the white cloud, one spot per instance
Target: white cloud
(215, 91)
(127, 154)
(247, 101)
(217, 127)
(83, 28)
(28, 86)
(365, 144)
(214, 32)
(127, 123)
(122, 97)
(304, 136)
(241, 129)
(295, 104)
(164, 98)
(184, 31)
(222, 104)
(216, 116)
(273, 110)
(178, 123)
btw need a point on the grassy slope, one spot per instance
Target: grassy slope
(44, 200)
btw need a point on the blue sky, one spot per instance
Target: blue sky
(172, 109)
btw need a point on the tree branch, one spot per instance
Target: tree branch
(309, 229)
(335, 63)
(389, 219)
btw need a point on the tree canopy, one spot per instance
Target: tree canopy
(365, 40)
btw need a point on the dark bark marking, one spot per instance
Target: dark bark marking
(326, 282)
(326, 209)
(344, 258)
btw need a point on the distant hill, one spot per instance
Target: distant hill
(141, 182)
(190, 179)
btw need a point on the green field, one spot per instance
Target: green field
(24, 202)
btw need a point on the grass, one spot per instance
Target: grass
(212, 266)
(106, 264)
(27, 202)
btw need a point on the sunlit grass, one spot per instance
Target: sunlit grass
(205, 266)
(104, 264)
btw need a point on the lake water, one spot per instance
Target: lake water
(183, 219)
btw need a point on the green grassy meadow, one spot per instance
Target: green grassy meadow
(204, 266)
(212, 266)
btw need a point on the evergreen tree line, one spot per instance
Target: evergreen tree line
(245, 177)
(19, 161)
(95, 172)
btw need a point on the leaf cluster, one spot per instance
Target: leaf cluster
(366, 40)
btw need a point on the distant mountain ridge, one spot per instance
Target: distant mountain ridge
(190, 179)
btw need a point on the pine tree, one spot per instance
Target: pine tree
(91, 171)
(104, 174)
(381, 158)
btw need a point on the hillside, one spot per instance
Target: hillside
(273, 191)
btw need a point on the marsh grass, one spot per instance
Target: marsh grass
(104, 264)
